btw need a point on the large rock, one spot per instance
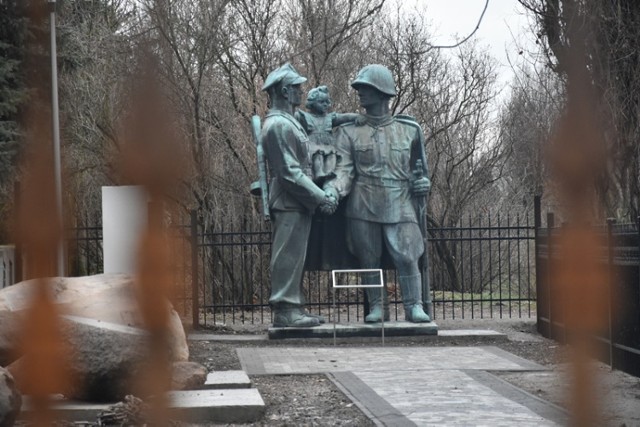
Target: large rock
(10, 399)
(188, 376)
(63, 289)
(105, 361)
(106, 297)
(9, 336)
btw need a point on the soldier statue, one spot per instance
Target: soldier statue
(293, 197)
(377, 170)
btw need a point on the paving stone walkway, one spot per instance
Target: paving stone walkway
(425, 386)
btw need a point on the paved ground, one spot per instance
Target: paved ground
(398, 386)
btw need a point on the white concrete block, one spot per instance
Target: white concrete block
(227, 380)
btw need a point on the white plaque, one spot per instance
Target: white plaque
(124, 218)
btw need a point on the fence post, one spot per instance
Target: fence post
(195, 304)
(17, 232)
(537, 224)
(550, 241)
(610, 223)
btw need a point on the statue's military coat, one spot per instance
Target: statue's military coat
(286, 149)
(376, 167)
(292, 199)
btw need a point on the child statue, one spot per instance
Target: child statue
(319, 125)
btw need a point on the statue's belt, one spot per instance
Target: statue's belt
(382, 182)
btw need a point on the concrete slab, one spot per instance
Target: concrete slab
(391, 329)
(227, 380)
(448, 397)
(198, 336)
(195, 406)
(218, 406)
(306, 360)
(408, 386)
(470, 333)
(68, 410)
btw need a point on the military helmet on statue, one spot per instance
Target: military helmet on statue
(378, 76)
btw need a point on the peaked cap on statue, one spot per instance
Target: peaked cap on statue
(285, 74)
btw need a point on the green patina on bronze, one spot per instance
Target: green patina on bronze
(293, 197)
(379, 176)
(376, 171)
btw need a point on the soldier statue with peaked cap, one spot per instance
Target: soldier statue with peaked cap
(377, 166)
(293, 197)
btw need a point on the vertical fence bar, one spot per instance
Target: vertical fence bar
(453, 233)
(638, 265)
(461, 234)
(16, 210)
(481, 287)
(195, 306)
(223, 270)
(234, 274)
(472, 287)
(550, 241)
(519, 243)
(509, 261)
(535, 243)
(537, 224)
(500, 263)
(610, 223)
(490, 268)
(207, 247)
(261, 276)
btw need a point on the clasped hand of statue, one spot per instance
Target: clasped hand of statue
(330, 203)
(420, 186)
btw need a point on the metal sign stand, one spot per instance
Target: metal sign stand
(335, 285)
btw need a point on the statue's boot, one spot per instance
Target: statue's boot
(411, 288)
(320, 318)
(284, 317)
(377, 306)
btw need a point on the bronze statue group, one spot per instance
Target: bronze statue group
(316, 159)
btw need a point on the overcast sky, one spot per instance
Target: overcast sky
(503, 29)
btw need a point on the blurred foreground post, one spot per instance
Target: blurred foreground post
(578, 159)
(55, 119)
(45, 360)
(152, 158)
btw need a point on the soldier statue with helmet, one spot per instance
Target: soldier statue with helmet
(293, 197)
(377, 169)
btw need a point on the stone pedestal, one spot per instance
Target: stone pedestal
(391, 329)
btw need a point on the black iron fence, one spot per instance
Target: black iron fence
(481, 267)
(618, 340)
(84, 252)
(85, 256)
(7, 266)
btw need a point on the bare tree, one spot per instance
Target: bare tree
(600, 37)
(526, 125)
(322, 33)
(93, 98)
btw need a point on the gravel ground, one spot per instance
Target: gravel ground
(313, 400)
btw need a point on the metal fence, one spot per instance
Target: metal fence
(483, 267)
(84, 252)
(85, 257)
(480, 268)
(7, 266)
(618, 341)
